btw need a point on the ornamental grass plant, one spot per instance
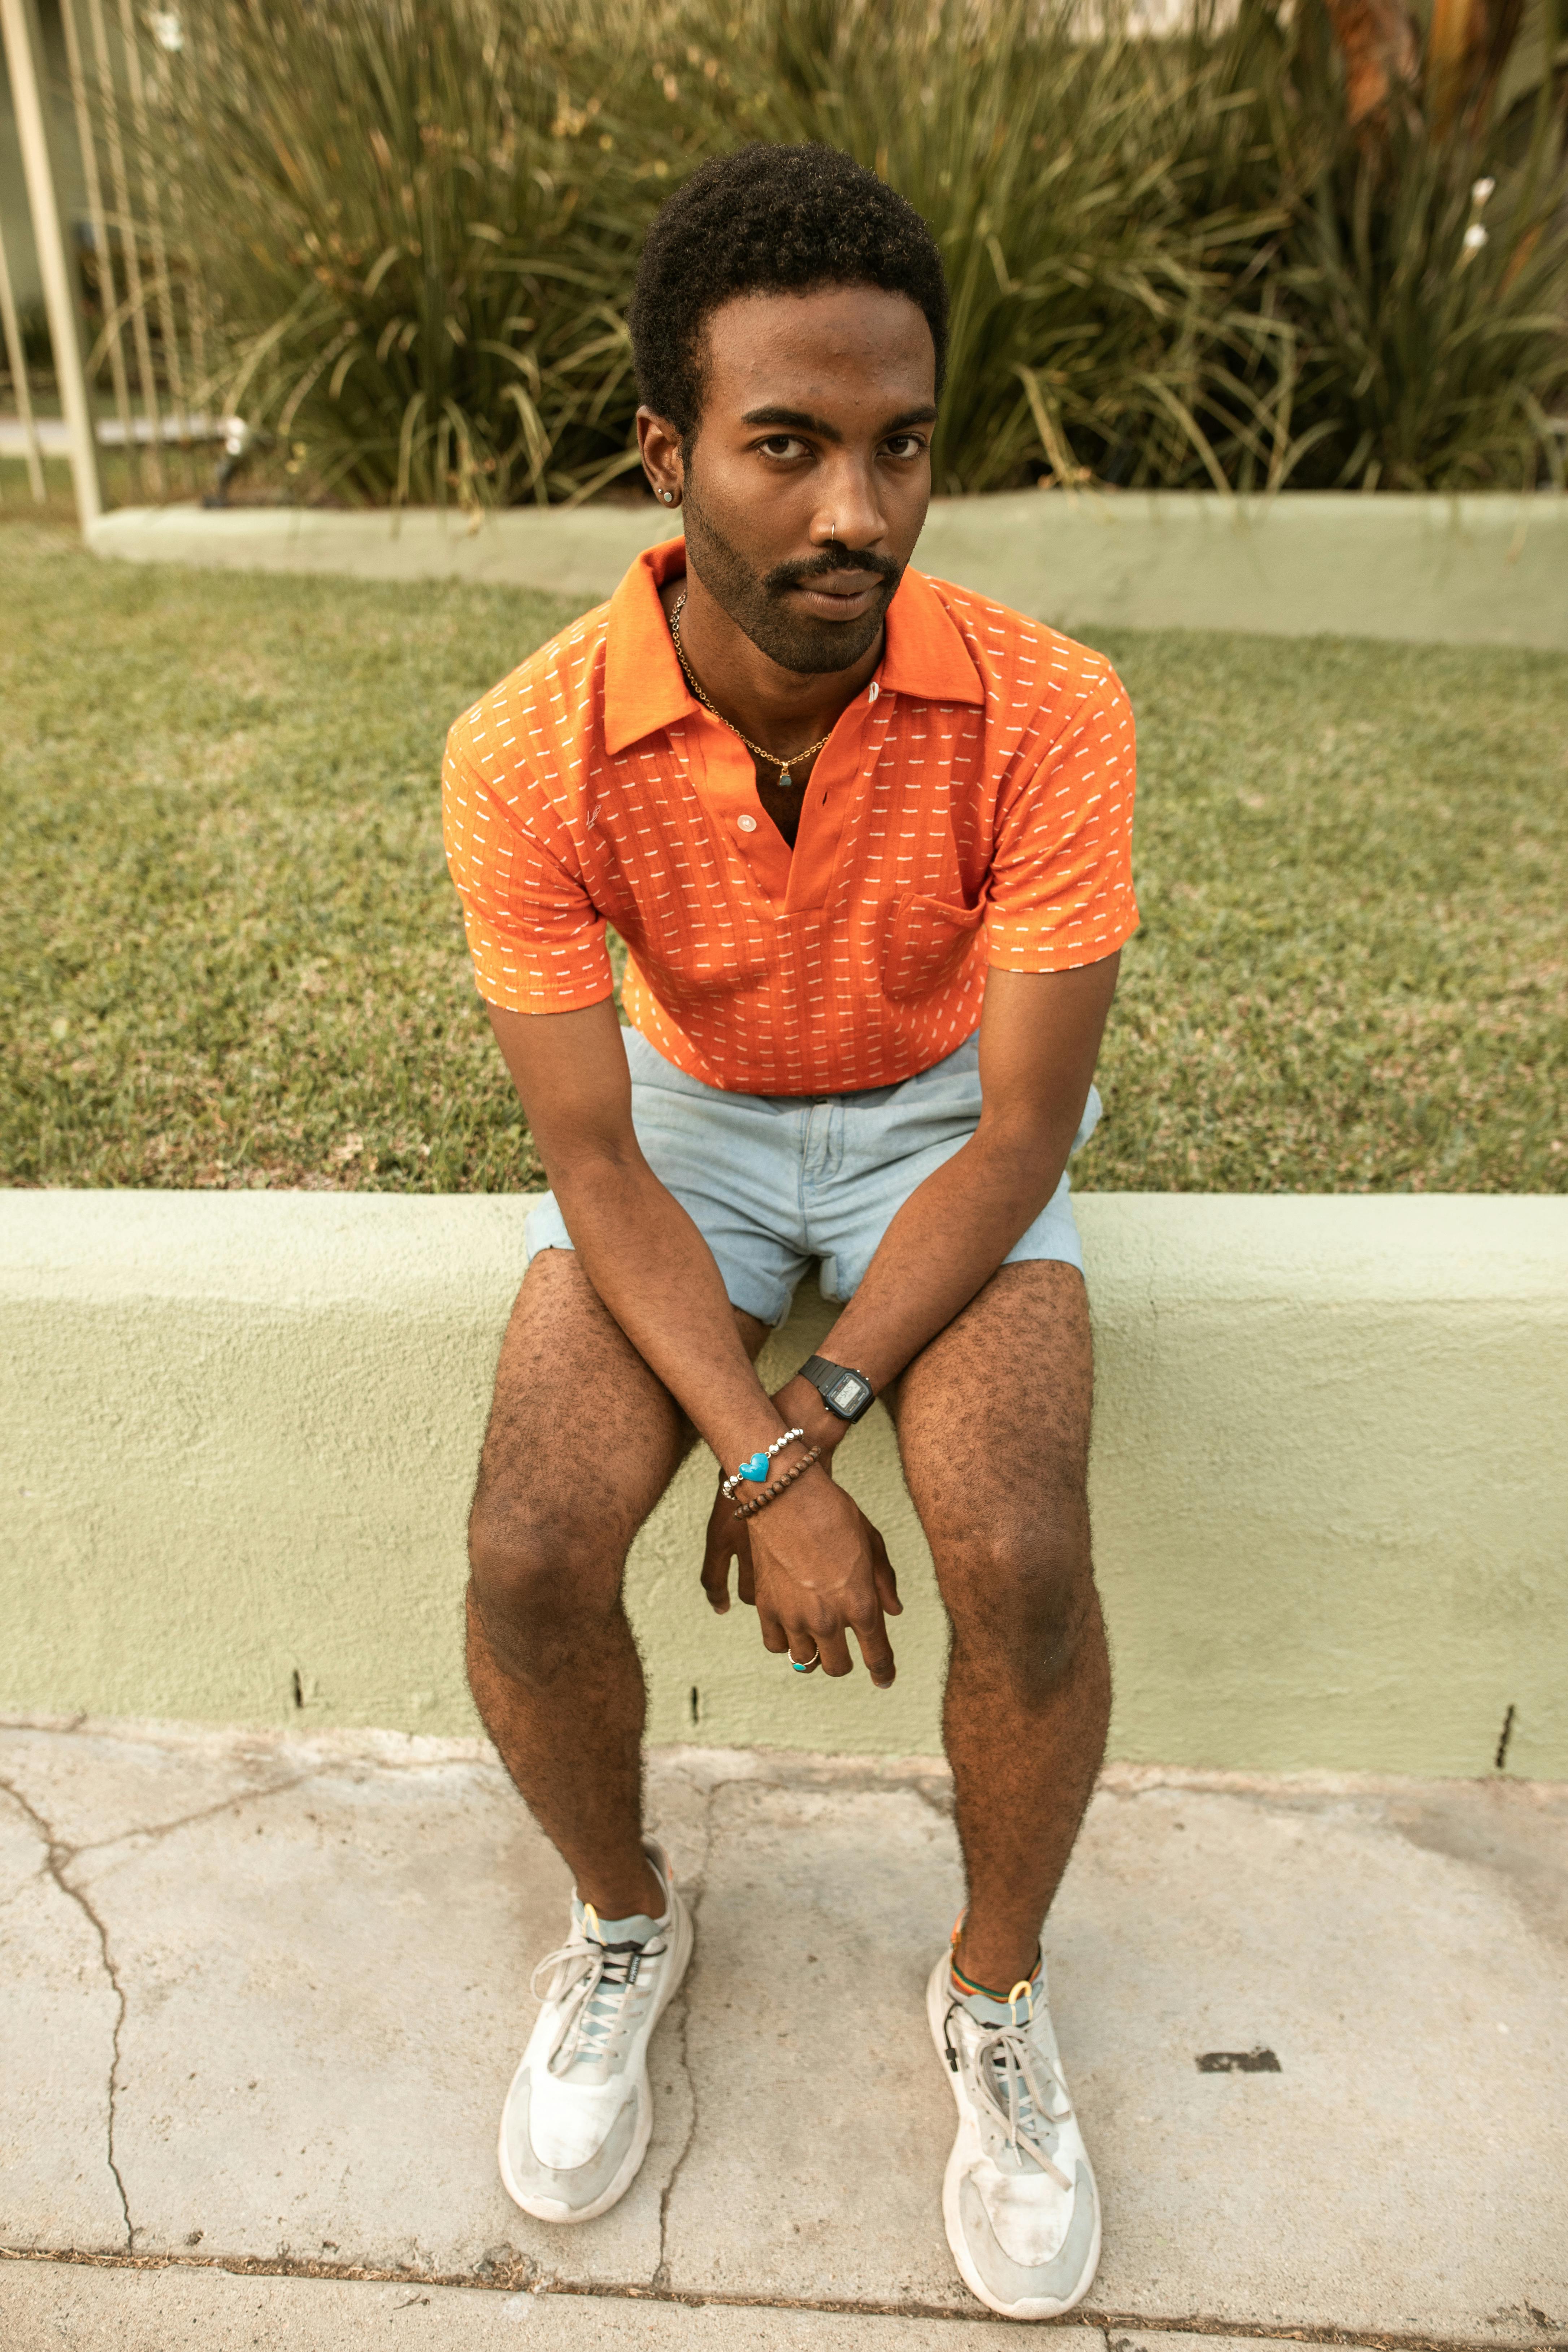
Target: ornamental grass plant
(417, 227)
(1181, 261)
(1092, 329)
(1425, 268)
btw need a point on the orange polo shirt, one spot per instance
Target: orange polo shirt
(973, 807)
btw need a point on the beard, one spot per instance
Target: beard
(760, 605)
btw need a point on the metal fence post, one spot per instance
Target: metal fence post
(23, 55)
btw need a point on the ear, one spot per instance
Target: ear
(662, 462)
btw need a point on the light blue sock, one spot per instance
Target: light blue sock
(638, 1929)
(988, 2007)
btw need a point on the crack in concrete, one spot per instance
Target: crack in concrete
(1128, 2324)
(660, 2284)
(937, 1797)
(660, 2287)
(57, 1859)
(18, 1891)
(160, 1830)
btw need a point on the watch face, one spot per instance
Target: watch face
(847, 1394)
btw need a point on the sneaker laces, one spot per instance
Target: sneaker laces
(591, 1983)
(1007, 2076)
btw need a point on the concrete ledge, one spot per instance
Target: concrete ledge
(1483, 570)
(1329, 1488)
(1329, 1478)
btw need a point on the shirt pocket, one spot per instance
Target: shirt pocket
(924, 943)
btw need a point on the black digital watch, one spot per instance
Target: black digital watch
(847, 1394)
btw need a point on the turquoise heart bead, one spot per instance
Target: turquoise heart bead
(756, 1469)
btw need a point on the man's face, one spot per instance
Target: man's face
(817, 408)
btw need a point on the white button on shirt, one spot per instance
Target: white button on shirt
(872, 691)
(746, 824)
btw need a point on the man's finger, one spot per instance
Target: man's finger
(877, 1650)
(716, 1573)
(775, 1638)
(834, 1651)
(882, 1575)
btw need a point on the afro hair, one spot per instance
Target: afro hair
(769, 220)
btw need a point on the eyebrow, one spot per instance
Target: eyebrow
(799, 420)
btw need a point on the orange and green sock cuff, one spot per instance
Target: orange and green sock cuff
(972, 1987)
(978, 1991)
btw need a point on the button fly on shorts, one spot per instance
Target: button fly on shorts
(821, 1145)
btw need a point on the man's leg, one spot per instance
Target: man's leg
(992, 1423)
(582, 1439)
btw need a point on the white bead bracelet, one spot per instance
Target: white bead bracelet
(755, 1466)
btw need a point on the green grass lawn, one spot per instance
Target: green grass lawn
(230, 953)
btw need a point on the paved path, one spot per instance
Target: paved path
(262, 1998)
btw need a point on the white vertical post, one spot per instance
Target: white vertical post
(87, 140)
(16, 361)
(23, 51)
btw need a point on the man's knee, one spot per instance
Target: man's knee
(1020, 1592)
(541, 1577)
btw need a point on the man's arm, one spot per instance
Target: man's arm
(639, 1249)
(650, 1265)
(1039, 1038)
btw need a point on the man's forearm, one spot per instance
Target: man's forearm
(656, 1274)
(946, 1242)
(1039, 1038)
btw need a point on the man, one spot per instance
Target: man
(866, 840)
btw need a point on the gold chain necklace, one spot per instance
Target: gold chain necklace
(783, 766)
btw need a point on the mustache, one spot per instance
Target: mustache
(831, 560)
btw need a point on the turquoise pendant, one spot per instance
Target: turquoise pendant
(785, 780)
(755, 1469)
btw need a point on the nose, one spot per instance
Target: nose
(849, 512)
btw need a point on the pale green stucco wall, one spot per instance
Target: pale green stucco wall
(1329, 1487)
(1485, 569)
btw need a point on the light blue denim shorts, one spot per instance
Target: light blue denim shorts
(772, 1181)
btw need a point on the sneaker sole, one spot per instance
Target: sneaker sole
(546, 2209)
(1035, 2307)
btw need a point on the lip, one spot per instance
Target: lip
(834, 603)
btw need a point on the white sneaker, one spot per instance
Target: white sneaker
(1018, 2197)
(575, 2126)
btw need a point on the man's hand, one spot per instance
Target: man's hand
(814, 1568)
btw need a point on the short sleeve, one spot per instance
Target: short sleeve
(1061, 871)
(537, 943)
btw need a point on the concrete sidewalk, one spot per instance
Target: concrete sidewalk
(263, 1997)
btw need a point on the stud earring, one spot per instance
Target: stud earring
(668, 496)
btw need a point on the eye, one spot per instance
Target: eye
(781, 446)
(904, 445)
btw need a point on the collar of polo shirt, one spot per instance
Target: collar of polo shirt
(644, 689)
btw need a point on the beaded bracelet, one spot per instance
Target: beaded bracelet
(796, 1470)
(755, 1468)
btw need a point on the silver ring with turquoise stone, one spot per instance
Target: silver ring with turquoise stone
(804, 1666)
(755, 1468)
